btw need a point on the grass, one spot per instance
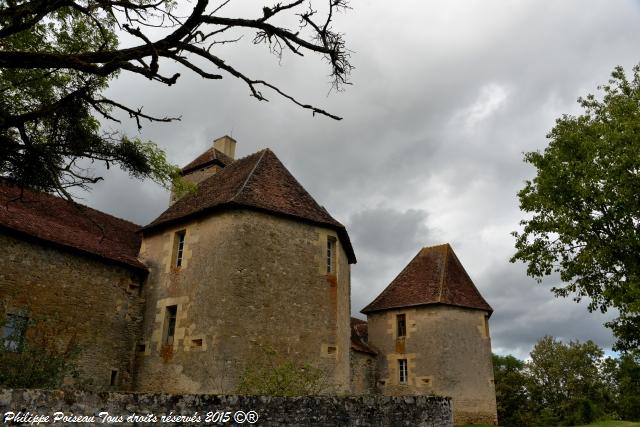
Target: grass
(596, 424)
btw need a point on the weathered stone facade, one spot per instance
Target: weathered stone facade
(377, 411)
(246, 264)
(448, 351)
(248, 280)
(74, 298)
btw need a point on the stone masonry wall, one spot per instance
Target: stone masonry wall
(248, 282)
(70, 297)
(363, 373)
(420, 411)
(448, 353)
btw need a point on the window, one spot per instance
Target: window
(114, 378)
(170, 324)
(13, 332)
(402, 369)
(179, 248)
(331, 255)
(401, 321)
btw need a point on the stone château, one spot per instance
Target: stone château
(246, 261)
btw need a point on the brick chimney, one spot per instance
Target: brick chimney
(227, 145)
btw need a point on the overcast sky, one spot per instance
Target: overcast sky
(446, 98)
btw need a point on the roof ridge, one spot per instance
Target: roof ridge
(444, 271)
(249, 175)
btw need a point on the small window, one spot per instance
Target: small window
(13, 332)
(196, 343)
(114, 378)
(401, 321)
(179, 248)
(331, 255)
(403, 370)
(331, 350)
(170, 324)
(141, 348)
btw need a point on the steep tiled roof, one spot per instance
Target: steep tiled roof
(359, 336)
(209, 157)
(434, 276)
(259, 181)
(58, 221)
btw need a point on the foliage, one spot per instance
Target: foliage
(566, 385)
(273, 375)
(585, 208)
(38, 362)
(57, 57)
(511, 390)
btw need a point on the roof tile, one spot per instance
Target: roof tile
(75, 226)
(434, 276)
(259, 181)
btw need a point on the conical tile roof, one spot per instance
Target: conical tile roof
(434, 276)
(259, 181)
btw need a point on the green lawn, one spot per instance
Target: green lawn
(596, 424)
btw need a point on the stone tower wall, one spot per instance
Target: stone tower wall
(248, 281)
(448, 352)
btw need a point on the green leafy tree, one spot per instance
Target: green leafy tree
(56, 58)
(565, 382)
(585, 208)
(512, 397)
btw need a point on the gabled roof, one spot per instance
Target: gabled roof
(359, 336)
(209, 157)
(57, 221)
(434, 276)
(261, 182)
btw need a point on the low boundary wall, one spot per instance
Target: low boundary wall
(80, 408)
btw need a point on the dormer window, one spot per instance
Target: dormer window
(178, 248)
(331, 255)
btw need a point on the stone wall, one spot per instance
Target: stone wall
(363, 373)
(448, 353)
(73, 298)
(271, 411)
(248, 282)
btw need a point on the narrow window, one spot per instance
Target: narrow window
(114, 377)
(331, 255)
(170, 324)
(179, 247)
(402, 368)
(13, 332)
(401, 321)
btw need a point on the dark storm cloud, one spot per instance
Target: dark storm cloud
(446, 98)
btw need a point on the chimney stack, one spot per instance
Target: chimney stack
(227, 145)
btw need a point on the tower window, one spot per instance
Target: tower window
(403, 370)
(170, 324)
(13, 332)
(331, 255)
(179, 247)
(401, 321)
(113, 380)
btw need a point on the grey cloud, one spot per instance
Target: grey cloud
(416, 149)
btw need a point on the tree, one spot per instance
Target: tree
(565, 382)
(585, 222)
(57, 56)
(512, 397)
